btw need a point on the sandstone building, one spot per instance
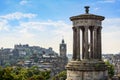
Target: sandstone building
(87, 42)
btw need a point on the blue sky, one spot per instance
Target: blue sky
(44, 22)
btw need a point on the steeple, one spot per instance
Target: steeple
(63, 54)
(63, 41)
(63, 49)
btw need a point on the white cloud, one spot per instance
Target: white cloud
(107, 1)
(17, 16)
(3, 25)
(111, 1)
(34, 25)
(23, 2)
(111, 35)
(44, 33)
(96, 9)
(49, 33)
(24, 33)
(44, 25)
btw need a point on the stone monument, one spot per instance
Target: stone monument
(86, 63)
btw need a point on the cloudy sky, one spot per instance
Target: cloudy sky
(45, 22)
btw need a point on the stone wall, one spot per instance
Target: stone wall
(94, 75)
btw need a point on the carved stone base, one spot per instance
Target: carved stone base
(86, 70)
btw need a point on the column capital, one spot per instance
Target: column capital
(86, 27)
(91, 27)
(95, 28)
(100, 27)
(74, 28)
(78, 28)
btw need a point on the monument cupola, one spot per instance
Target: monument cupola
(86, 63)
(87, 27)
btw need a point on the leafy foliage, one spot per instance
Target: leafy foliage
(61, 76)
(37, 77)
(110, 69)
(19, 73)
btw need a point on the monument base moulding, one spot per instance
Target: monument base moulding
(86, 70)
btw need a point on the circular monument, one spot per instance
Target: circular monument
(86, 63)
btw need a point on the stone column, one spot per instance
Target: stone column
(78, 43)
(86, 43)
(91, 42)
(99, 43)
(95, 42)
(74, 43)
(83, 48)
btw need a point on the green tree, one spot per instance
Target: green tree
(34, 70)
(46, 74)
(36, 77)
(110, 69)
(60, 76)
(6, 74)
(19, 73)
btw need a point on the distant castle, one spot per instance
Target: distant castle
(28, 56)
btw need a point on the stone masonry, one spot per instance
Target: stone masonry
(86, 63)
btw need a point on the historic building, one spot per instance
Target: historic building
(28, 56)
(63, 49)
(63, 53)
(87, 61)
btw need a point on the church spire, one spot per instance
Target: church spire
(63, 41)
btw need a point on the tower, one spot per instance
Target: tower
(87, 61)
(63, 57)
(63, 49)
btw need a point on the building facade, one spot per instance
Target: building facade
(63, 49)
(63, 55)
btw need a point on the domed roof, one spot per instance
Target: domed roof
(87, 16)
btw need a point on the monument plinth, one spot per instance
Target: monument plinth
(89, 66)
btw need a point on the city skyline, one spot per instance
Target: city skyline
(44, 23)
